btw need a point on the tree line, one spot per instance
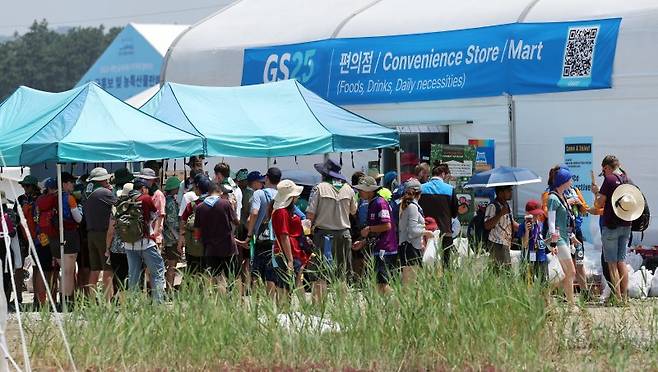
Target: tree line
(45, 59)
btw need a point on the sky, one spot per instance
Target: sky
(18, 15)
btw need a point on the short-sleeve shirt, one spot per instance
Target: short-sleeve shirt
(170, 230)
(97, 209)
(562, 217)
(610, 184)
(214, 217)
(379, 213)
(332, 207)
(502, 232)
(286, 223)
(260, 202)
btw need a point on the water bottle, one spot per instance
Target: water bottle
(327, 248)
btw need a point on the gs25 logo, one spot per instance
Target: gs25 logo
(298, 65)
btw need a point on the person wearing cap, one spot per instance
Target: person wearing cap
(170, 231)
(379, 233)
(151, 179)
(223, 177)
(214, 221)
(561, 227)
(579, 210)
(258, 232)
(97, 211)
(28, 204)
(145, 251)
(241, 179)
(358, 222)
(72, 216)
(438, 200)
(254, 181)
(620, 201)
(331, 203)
(412, 231)
(48, 228)
(193, 246)
(532, 237)
(289, 255)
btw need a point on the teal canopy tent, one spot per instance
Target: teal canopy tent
(267, 120)
(85, 124)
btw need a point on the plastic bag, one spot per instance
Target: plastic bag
(639, 283)
(429, 256)
(635, 260)
(653, 290)
(555, 272)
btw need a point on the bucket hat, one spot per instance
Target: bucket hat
(286, 190)
(98, 174)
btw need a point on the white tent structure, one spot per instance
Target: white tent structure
(529, 130)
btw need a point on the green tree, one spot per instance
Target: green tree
(46, 60)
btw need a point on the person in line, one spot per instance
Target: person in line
(439, 201)
(579, 210)
(150, 177)
(97, 210)
(170, 231)
(289, 253)
(195, 163)
(259, 234)
(329, 209)
(254, 182)
(561, 226)
(193, 246)
(378, 237)
(27, 204)
(412, 232)
(145, 251)
(7, 233)
(615, 232)
(241, 180)
(358, 222)
(223, 177)
(48, 228)
(214, 221)
(118, 260)
(422, 172)
(499, 221)
(72, 216)
(533, 242)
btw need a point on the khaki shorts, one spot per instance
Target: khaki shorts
(500, 254)
(97, 246)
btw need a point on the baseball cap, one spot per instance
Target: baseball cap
(255, 176)
(29, 180)
(50, 183)
(534, 207)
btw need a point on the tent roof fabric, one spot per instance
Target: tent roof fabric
(160, 36)
(267, 120)
(85, 124)
(215, 45)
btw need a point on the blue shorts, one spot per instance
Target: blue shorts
(615, 243)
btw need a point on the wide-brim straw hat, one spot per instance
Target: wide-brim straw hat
(286, 190)
(628, 202)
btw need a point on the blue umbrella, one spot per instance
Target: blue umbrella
(301, 177)
(503, 176)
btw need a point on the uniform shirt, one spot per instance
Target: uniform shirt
(379, 213)
(332, 207)
(439, 201)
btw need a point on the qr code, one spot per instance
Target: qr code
(579, 52)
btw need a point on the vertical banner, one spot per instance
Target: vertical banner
(461, 161)
(485, 159)
(578, 157)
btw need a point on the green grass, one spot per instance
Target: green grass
(471, 318)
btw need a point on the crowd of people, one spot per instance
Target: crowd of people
(123, 229)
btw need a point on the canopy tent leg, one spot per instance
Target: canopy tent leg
(60, 217)
(269, 162)
(398, 166)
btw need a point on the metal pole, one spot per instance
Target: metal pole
(512, 141)
(269, 162)
(60, 217)
(397, 165)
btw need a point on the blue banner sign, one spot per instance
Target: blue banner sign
(578, 157)
(517, 58)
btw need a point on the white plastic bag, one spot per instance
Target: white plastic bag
(653, 290)
(635, 260)
(639, 283)
(429, 256)
(555, 272)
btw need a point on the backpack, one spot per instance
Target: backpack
(193, 246)
(265, 230)
(129, 219)
(66, 212)
(476, 232)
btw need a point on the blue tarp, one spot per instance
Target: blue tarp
(267, 120)
(85, 124)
